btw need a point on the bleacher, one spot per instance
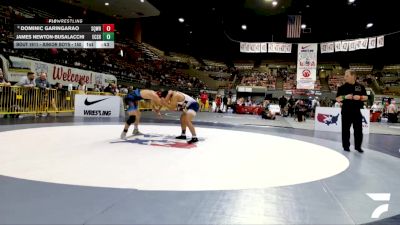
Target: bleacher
(258, 79)
(390, 80)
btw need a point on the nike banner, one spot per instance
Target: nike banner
(307, 64)
(97, 106)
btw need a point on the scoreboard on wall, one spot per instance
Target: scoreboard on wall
(59, 33)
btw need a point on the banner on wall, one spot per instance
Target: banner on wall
(338, 46)
(247, 47)
(372, 43)
(345, 46)
(263, 47)
(364, 43)
(306, 64)
(330, 47)
(380, 41)
(56, 73)
(327, 47)
(279, 47)
(353, 45)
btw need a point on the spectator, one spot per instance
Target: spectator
(267, 113)
(218, 102)
(203, 100)
(314, 104)
(82, 86)
(374, 107)
(282, 103)
(291, 106)
(43, 85)
(28, 81)
(392, 112)
(225, 103)
(3, 81)
(41, 81)
(96, 88)
(301, 109)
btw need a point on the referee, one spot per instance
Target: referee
(352, 95)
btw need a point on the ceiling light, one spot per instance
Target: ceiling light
(307, 6)
(352, 1)
(141, 1)
(181, 20)
(369, 25)
(303, 26)
(244, 27)
(106, 4)
(274, 3)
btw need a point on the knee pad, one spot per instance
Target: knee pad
(131, 120)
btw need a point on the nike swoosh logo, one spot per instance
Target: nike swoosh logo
(94, 102)
(304, 47)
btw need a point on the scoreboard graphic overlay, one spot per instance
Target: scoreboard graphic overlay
(65, 35)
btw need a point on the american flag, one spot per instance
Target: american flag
(294, 26)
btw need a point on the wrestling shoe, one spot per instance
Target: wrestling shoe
(137, 132)
(123, 135)
(193, 140)
(182, 137)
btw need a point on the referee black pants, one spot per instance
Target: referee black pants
(349, 118)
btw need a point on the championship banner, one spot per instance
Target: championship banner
(345, 46)
(352, 45)
(372, 43)
(247, 47)
(331, 47)
(324, 47)
(330, 119)
(380, 41)
(288, 48)
(358, 44)
(255, 47)
(274, 47)
(306, 63)
(364, 43)
(264, 47)
(97, 106)
(338, 46)
(244, 47)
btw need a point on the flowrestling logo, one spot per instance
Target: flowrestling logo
(379, 197)
(327, 118)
